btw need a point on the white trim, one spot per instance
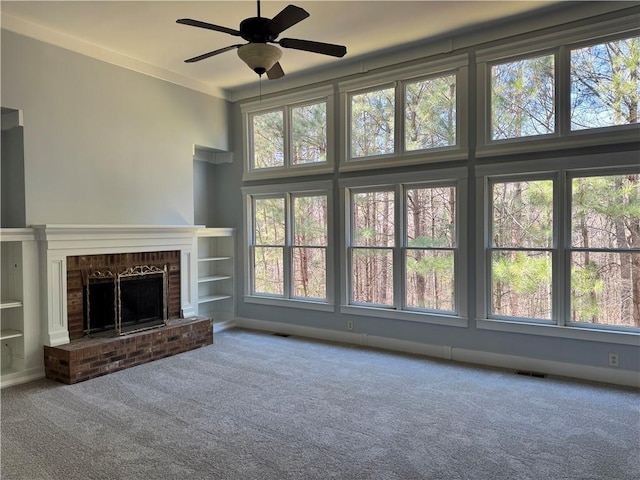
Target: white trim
(509, 362)
(439, 175)
(538, 43)
(299, 187)
(451, 320)
(290, 303)
(594, 335)
(23, 376)
(424, 68)
(302, 96)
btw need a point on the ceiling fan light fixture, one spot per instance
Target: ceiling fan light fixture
(260, 57)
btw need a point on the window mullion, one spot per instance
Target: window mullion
(563, 91)
(561, 259)
(399, 273)
(288, 246)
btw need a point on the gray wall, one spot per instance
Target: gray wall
(572, 351)
(12, 177)
(102, 144)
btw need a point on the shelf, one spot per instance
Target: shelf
(213, 278)
(10, 304)
(213, 298)
(7, 334)
(213, 259)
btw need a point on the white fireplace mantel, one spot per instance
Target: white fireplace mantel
(57, 242)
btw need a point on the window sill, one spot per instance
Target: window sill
(576, 333)
(290, 303)
(405, 159)
(284, 172)
(420, 317)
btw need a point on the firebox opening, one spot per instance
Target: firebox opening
(127, 302)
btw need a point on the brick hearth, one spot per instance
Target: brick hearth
(88, 358)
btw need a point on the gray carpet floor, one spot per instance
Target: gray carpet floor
(260, 406)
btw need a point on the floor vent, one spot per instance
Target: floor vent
(285, 335)
(531, 374)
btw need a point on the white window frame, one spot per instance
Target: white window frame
(457, 65)
(288, 191)
(559, 42)
(398, 183)
(286, 103)
(560, 170)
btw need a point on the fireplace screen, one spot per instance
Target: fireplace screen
(126, 302)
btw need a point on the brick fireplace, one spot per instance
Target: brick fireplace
(70, 253)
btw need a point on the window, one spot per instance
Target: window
(605, 84)
(268, 139)
(430, 113)
(521, 248)
(605, 249)
(565, 89)
(430, 248)
(403, 248)
(373, 123)
(288, 246)
(523, 98)
(409, 116)
(289, 135)
(581, 272)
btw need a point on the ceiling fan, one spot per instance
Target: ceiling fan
(260, 32)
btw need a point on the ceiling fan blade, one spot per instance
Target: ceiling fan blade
(275, 72)
(288, 17)
(211, 54)
(316, 47)
(208, 26)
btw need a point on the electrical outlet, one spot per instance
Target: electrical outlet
(350, 325)
(613, 359)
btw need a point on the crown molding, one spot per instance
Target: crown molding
(38, 32)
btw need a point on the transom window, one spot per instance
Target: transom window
(303, 142)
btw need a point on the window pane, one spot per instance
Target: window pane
(269, 221)
(309, 134)
(521, 284)
(373, 219)
(605, 212)
(602, 288)
(431, 217)
(522, 214)
(430, 113)
(372, 276)
(310, 272)
(430, 279)
(522, 98)
(310, 217)
(268, 271)
(268, 140)
(605, 89)
(372, 123)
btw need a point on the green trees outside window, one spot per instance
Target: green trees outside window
(605, 243)
(426, 254)
(373, 123)
(605, 84)
(523, 98)
(289, 250)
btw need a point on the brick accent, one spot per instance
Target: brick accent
(79, 266)
(92, 357)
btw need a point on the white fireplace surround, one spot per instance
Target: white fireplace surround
(57, 242)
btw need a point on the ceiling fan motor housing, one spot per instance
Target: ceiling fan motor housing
(255, 30)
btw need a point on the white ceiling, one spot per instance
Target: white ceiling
(144, 35)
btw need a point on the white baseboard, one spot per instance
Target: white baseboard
(24, 376)
(222, 326)
(511, 362)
